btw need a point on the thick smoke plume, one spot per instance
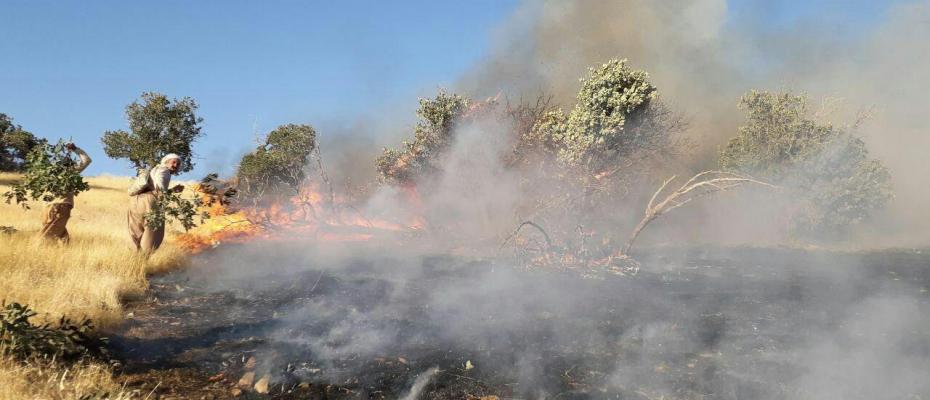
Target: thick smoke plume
(702, 56)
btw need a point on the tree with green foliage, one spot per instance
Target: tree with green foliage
(157, 126)
(49, 175)
(617, 116)
(278, 164)
(611, 96)
(15, 144)
(828, 168)
(433, 134)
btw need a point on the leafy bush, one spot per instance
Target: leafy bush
(15, 144)
(827, 167)
(617, 116)
(157, 126)
(49, 176)
(277, 165)
(170, 205)
(433, 133)
(610, 98)
(68, 340)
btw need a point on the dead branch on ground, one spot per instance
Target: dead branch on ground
(533, 224)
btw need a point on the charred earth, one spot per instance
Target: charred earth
(288, 322)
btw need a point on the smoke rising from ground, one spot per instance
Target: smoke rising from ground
(761, 324)
(702, 56)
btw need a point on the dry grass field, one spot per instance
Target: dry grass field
(90, 276)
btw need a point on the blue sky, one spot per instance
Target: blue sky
(70, 68)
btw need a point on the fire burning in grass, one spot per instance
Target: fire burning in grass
(308, 214)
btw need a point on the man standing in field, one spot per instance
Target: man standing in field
(143, 194)
(58, 213)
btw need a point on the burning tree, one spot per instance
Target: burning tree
(278, 165)
(617, 126)
(617, 118)
(432, 135)
(572, 165)
(826, 167)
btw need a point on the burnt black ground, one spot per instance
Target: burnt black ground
(734, 323)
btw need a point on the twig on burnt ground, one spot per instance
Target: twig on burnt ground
(528, 223)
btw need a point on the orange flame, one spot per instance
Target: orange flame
(308, 214)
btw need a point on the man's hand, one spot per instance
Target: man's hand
(70, 146)
(177, 188)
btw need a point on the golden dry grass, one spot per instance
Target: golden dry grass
(90, 276)
(40, 379)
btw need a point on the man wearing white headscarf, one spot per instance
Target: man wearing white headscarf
(143, 194)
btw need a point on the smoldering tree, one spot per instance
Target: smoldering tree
(574, 164)
(617, 134)
(833, 182)
(278, 165)
(432, 135)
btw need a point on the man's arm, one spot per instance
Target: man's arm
(85, 159)
(139, 183)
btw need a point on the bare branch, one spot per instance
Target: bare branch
(700, 185)
(661, 188)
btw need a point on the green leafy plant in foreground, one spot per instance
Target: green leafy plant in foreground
(67, 341)
(49, 175)
(170, 205)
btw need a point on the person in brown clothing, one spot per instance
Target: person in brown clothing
(142, 197)
(57, 214)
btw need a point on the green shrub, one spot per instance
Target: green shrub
(433, 134)
(172, 206)
(610, 99)
(49, 175)
(66, 341)
(278, 165)
(827, 168)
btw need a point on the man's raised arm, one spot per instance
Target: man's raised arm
(85, 159)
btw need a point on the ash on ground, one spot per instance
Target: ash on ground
(284, 322)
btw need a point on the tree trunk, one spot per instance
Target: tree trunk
(639, 228)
